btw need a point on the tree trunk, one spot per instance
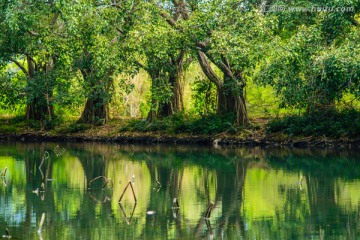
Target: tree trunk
(96, 106)
(40, 107)
(233, 101)
(177, 98)
(322, 104)
(230, 90)
(38, 110)
(175, 103)
(95, 111)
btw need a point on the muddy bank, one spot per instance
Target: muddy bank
(151, 138)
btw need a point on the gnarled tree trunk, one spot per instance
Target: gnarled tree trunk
(39, 107)
(230, 90)
(175, 103)
(96, 106)
(95, 110)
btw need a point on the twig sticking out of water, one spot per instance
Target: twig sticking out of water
(7, 234)
(128, 220)
(99, 201)
(107, 180)
(208, 225)
(209, 209)
(59, 151)
(158, 183)
(2, 175)
(132, 188)
(175, 204)
(41, 222)
(46, 156)
(4, 172)
(4, 181)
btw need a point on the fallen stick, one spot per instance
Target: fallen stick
(4, 172)
(89, 185)
(175, 204)
(132, 188)
(209, 209)
(41, 222)
(106, 182)
(127, 185)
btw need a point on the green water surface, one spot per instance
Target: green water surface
(257, 193)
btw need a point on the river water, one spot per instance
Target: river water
(49, 192)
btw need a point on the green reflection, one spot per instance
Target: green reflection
(267, 190)
(258, 194)
(68, 185)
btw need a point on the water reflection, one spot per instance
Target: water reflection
(258, 193)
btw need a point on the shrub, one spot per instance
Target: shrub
(330, 124)
(180, 123)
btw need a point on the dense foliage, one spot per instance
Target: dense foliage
(183, 64)
(331, 124)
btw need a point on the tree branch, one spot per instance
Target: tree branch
(180, 57)
(31, 61)
(182, 9)
(20, 66)
(33, 33)
(171, 21)
(139, 64)
(208, 71)
(354, 22)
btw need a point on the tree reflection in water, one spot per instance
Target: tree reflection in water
(257, 193)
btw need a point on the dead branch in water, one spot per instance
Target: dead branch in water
(128, 220)
(4, 172)
(158, 183)
(41, 222)
(99, 201)
(209, 209)
(132, 188)
(106, 181)
(175, 204)
(46, 156)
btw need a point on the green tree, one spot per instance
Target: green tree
(314, 60)
(31, 37)
(162, 53)
(226, 35)
(99, 34)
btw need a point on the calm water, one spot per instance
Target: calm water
(258, 193)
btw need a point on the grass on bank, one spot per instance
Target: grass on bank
(331, 124)
(180, 123)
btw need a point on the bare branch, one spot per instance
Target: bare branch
(33, 33)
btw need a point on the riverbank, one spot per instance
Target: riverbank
(122, 131)
(157, 138)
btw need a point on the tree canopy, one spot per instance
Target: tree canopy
(57, 54)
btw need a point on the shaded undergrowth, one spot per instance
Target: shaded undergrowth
(330, 124)
(345, 124)
(205, 125)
